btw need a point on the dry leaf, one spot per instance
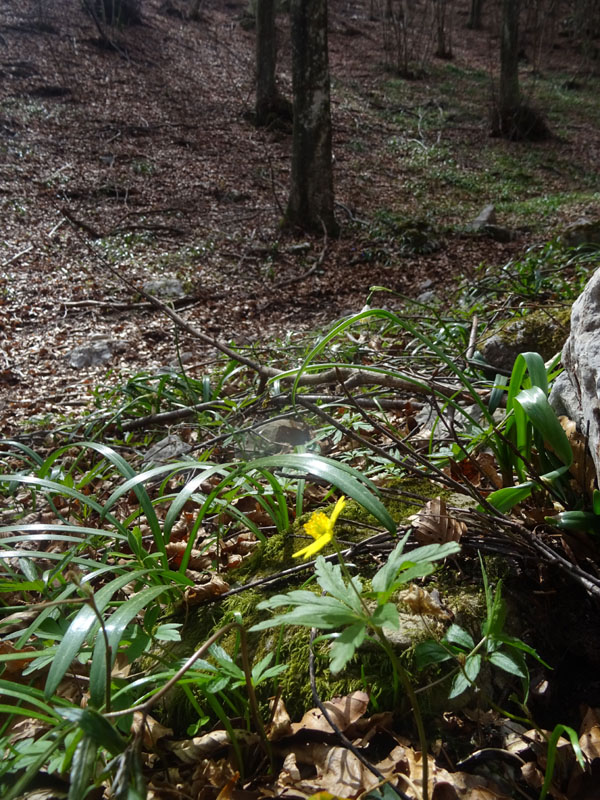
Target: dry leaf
(191, 751)
(153, 730)
(342, 710)
(198, 594)
(590, 734)
(422, 602)
(281, 724)
(433, 524)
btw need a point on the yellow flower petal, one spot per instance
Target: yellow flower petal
(318, 525)
(337, 510)
(314, 547)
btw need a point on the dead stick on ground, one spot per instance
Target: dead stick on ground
(351, 377)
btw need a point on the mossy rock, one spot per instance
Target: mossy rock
(543, 331)
(370, 671)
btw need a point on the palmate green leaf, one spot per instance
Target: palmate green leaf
(345, 646)
(347, 479)
(115, 626)
(18, 788)
(329, 578)
(386, 616)
(402, 567)
(262, 671)
(325, 613)
(82, 625)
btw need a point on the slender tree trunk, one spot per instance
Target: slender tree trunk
(509, 92)
(475, 15)
(266, 59)
(310, 204)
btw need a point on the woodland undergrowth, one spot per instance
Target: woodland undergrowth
(163, 501)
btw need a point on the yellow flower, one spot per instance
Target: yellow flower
(320, 527)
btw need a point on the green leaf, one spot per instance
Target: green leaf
(427, 653)
(496, 615)
(97, 727)
(413, 564)
(508, 663)
(348, 480)
(329, 578)
(512, 641)
(457, 635)
(543, 418)
(345, 645)
(504, 499)
(551, 757)
(386, 616)
(584, 521)
(114, 628)
(168, 632)
(472, 667)
(81, 626)
(325, 616)
(82, 768)
(459, 685)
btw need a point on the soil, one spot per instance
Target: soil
(136, 149)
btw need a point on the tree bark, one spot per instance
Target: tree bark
(266, 59)
(509, 98)
(311, 204)
(475, 15)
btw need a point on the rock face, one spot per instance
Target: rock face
(578, 392)
(539, 331)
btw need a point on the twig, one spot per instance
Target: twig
(339, 733)
(16, 256)
(472, 339)
(318, 263)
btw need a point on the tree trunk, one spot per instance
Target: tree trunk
(443, 24)
(509, 94)
(475, 15)
(310, 204)
(266, 59)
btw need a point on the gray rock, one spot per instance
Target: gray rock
(168, 449)
(537, 332)
(165, 288)
(92, 354)
(499, 233)
(565, 401)
(581, 360)
(582, 231)
(486, 217)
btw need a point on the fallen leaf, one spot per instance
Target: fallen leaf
(433, 524)
(342, 710)
(422, 602)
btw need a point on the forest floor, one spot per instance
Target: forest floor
(142, 154)
(132, 156)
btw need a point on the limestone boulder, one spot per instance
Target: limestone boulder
(578, 392)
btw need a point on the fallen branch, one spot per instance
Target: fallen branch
(348, 377)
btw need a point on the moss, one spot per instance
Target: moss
(370, 670)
